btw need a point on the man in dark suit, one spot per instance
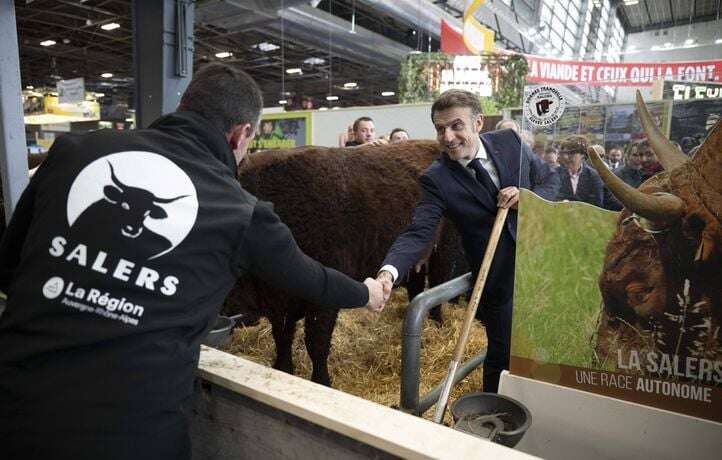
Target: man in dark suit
(474, 176)
(579, 181)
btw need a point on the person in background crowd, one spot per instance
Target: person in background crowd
(100, 339)
(578, 181)
(650, 164)
(631, 171)
(475, 175)
(551, 156)
(364, 132)
(614, 158)
(307, 103)
(398, 135)
(507, 124)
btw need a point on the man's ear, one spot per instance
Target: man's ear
(479, 122)
(239, 135)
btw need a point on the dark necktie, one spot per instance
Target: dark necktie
(482, 175)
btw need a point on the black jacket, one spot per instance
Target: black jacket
(590, 188)
(116, 262)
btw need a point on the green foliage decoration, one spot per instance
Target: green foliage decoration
(420, 77)
(513, 79)
(415, 84)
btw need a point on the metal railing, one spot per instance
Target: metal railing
(416, 312)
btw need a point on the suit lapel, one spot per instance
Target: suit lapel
(469, 182)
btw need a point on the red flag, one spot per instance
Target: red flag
(452, 40)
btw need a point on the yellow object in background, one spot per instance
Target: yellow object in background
(477, 38)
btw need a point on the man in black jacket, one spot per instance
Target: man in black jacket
(578, 181)
(116, 262)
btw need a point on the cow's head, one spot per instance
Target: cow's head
(134, 205)
(661, 268)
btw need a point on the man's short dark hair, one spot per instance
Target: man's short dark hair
(358, 122)
(224, 95)
(574, 144)
(457, 98)
(397, 130)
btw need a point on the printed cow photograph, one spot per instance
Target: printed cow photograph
(627, 304)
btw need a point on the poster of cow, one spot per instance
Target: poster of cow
(628, 304)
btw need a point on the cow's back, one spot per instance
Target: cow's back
(345, 206)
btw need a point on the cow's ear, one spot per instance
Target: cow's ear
(156, 212)
(112, 194)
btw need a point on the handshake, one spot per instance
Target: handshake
(379, 291)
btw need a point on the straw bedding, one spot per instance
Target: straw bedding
(365, 358)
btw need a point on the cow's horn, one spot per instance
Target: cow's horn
(115, 180)
(660, 209)
(669, 156)
(167, 200)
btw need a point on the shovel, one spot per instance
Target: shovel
(470, 313)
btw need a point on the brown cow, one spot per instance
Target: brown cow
(345, 207)
(661, 282)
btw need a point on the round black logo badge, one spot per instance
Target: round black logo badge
(543, 106)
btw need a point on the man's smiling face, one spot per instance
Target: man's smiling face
(457, 131)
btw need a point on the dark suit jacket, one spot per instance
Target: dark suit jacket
(590, 188)
(448, 189)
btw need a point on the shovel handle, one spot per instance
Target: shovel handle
(471, 311)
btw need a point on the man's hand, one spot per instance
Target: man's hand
(379, 141)
(376, 295)
(508, 197)
(387, 280)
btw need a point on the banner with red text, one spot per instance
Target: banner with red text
(549, 70)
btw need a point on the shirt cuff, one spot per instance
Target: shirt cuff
(391, 269)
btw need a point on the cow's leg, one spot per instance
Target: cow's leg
(283, 326)
(319, 329)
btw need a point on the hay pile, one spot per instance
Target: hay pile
(365, 358)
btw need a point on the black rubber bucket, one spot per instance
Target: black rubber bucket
(220, 335)
(497, 418)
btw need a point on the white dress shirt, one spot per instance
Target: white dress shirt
(487, 163)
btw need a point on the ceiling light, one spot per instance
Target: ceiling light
(332, 98)
(387, 93)
(224, 54)
(314, 61)
(718, 41)
(66, 41)
(47, 43)
(283, 101)
(30, 87)
(110, 26)
(266, 46)
(689, 41)
(294, 70)
(350, 85)
(106, 75)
